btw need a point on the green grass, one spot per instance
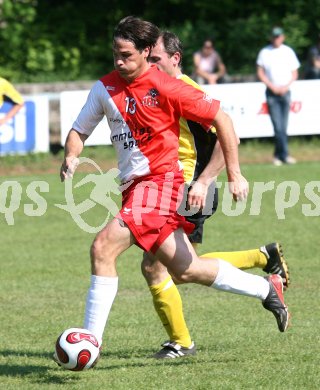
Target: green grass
(44, 277)
(250, 151)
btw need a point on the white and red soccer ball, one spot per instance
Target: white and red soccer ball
(77, 349)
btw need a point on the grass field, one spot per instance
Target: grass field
(44, 278)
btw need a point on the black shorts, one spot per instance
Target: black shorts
(199, 218)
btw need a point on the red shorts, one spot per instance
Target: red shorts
(149, 208)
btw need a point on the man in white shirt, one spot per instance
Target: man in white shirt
(277, 68)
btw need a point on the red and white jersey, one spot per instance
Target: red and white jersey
(143, 117)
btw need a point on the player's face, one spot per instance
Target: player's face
(160, 57)
(128, 61)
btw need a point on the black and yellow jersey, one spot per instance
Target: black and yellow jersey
(9, 93)
(195, 144)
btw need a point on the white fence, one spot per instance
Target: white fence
(28, 131)
(245, 102)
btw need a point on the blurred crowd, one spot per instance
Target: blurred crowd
(209, 67)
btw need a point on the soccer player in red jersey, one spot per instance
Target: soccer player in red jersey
(143, 106)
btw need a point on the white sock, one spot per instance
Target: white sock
(233, 280)
(100, 298)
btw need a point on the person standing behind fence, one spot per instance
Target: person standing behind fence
(10, 94)
(313, 65)
(277, 68)
(208, 65)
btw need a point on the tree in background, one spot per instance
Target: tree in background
(49, 40)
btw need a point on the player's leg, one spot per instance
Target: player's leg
(168, 304)
(268, 257)
(166, 297)
(245, 259)
(178, 255)
(167, 300)
(109, 243)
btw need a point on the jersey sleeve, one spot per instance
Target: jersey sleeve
(10, 92)
(92, 112)
(195, 104)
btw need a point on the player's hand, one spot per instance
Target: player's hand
(197, 195)
(239, 187)
(68, 167)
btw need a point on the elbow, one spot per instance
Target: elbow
(82, 137)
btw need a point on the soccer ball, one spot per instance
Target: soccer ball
(77, 349)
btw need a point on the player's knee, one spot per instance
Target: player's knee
(146, 265)
(146, 269)
(100, 248)
(182, 276)
(153, 271)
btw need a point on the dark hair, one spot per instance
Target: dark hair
(208, 39)
(172, 44)
(140, 32)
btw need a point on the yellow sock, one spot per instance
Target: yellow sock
(242, 259)
(168, 304)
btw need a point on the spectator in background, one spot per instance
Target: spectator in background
(313, 64)
(10, 94)
(277, 68)
(208, 65)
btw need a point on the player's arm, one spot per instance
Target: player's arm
(10, 114)
(72, 150)
(198, 193)
(229, 143)
(14, 96)
(215, 165)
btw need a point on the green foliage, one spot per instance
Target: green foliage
(16, 21)
(40, 56)
(296, 29)
(245, 37)
(46, 40)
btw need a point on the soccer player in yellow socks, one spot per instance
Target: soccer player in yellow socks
(167, 300)
(243, 259)
(168, 304)
(269, 258)
(201, 169)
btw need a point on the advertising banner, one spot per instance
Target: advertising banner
(71, 103)
(244, 102)
(28, 130)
